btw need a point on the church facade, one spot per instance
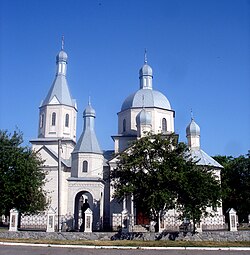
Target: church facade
(78, 170)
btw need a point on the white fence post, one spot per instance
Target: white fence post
(232, 220)
(198, 227)
(88, 220)
(50, 220)
(13, 219)
(125, 220)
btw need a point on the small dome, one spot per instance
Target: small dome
(146, 98)
(146, 70)
(192, 128)
(62, 56)
(143, 118)
(89, 111)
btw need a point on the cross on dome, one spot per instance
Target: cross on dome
(62, 47)
(145, 56)
(192, 114)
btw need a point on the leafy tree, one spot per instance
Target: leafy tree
(198, 189)
(21, 178)
(143, 172)
(160, 173)
(235, 182)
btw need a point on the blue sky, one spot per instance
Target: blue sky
(199, 52)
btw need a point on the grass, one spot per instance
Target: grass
(135, 243)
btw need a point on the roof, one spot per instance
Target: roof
(204, 158)
(108, 155)
(146, 98)
(88, 143)
(67, 163)
(59, 92)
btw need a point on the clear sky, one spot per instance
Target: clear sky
(199, 52)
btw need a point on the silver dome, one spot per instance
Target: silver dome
(89, 111)
(146, 98)
(192, 128)
(143, 118)
(62, 56)
(146, 70)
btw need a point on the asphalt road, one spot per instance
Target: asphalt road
(29, 250)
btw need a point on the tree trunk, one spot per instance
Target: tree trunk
(157, 224)
(19, 220)
(194, 223)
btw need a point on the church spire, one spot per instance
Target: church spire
(88, 141)
(146, 74)
(58, 110)
(59, 90)
(61, 60)
(193, 134)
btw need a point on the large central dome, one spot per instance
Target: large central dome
(146, 98)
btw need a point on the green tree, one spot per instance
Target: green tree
(235, 182)
(160, 174)
(21, 178)
(198, 189)
(143, 172)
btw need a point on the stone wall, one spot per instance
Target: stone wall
(204, 236)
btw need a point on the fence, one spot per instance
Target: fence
(34, 222)
(46, 221)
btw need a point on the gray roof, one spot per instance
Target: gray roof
(146, 98)
(88, 143)
(60, 90)
(204, 158)
(67, 162)
(109, 154)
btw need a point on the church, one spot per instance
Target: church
(78, 169)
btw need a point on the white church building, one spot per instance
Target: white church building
(78, 169)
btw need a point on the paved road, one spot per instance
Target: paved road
(29, 250)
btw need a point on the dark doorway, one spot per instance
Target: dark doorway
(79, 200)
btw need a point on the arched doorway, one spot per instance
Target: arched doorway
(79, 200)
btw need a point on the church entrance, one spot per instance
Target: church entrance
(83, 201)
(141, 218)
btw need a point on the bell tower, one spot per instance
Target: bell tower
(57, 112)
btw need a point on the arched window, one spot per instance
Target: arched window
(124, 126)
(67, 120)
(41, 120)
(85, 166)
(53, 119)
(164, 125)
